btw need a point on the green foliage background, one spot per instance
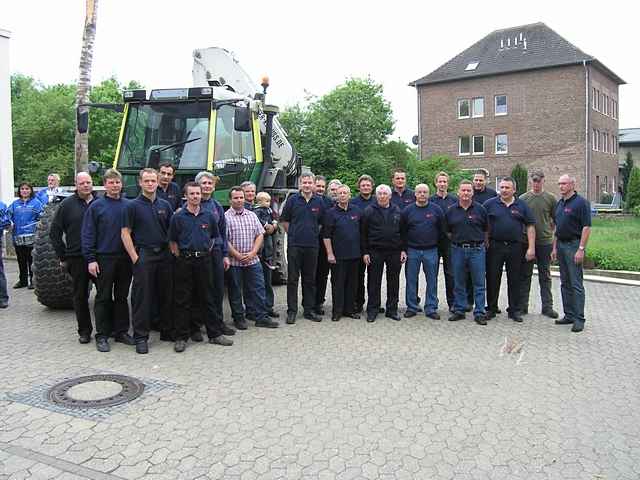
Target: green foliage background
(633, 189)
(613, 244)
(519, 174)
(43, 121)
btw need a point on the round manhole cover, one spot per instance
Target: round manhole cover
(96, 391)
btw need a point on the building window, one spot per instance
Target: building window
(501, 105)
(597, 137)
(614, 109)
(463, 108)
(606, 105)
(594, 140)
(614, 144)
(477, 107)
(463, 146)
(594, 102)
(502, 143)
(605, 142)
(478, 145)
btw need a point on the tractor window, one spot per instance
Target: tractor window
(234, 151)
(179, 132)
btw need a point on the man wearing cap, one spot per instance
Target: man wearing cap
(509, 219)
(573, 227)
(542, 204)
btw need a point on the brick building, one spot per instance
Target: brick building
(524, 95)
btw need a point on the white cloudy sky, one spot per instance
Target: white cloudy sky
(307, 46)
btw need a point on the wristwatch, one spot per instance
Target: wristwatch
(581, 248)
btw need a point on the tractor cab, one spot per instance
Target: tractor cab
(194, 129)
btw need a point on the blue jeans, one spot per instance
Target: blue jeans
(248, 282)
(4, 294)
(571, 285)
(473, 260)
(428, 259)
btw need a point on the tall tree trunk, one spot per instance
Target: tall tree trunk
(84, 81)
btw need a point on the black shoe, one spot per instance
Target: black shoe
(480, 319)
(266, 323)
(102, 345)
(451, 310)
(142, 347)
(456, 316)
(491, 314)
(551, 313)
(124, 338)
(318, 311)
(20, 285)
(291, 318)
(577, 327)
(563, 321)
(241, 324)
(166, 337)
(355, 316)
(393, 316)
(516, 317)
(359, 309)
(371, 317)
(227, 330)
(381, 310)
(335, 317)
(313, 317)
(273, 314)
(409, 314)
(469, 308)
(84, 338)
(433, 316)
(180, 346)
(221, 340)
(4, 304)
(197, 337)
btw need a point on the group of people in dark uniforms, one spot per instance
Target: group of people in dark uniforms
(173, 254)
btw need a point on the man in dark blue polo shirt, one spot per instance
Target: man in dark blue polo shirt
(341, 234)
(573, 227)
(145, 228)
(301, 218)
(509, 220)
(362, 201)
(108, 262)
(482, 192)
(444, 200)
(167, 189)
(467, 224)
(191, 236)
(421, 225)
(401, 196)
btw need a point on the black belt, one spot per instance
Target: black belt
(468, 244)
(159, 249)
(505, 242)
(194, 253)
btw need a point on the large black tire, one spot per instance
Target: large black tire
(53, 286)
(279, 275)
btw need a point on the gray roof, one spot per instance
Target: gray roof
(527, 47)
(628, 135)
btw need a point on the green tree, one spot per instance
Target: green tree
(626, 173)
(520, 175)
(425, 171)
(633, 193)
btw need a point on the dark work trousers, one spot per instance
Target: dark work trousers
(301, 262)
(217, 288)
(501, 254)
(322, 275)
(77, 268)
(268, 286)
(110, 306)
(444, 253)
(152, 284)
(380, 258)
(543, 261)
(344, 276)
(360, 291)
(23, 253)
(193, 290)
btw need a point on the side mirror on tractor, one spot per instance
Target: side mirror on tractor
(82, 120)
(242, 119)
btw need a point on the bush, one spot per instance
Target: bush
(606, 198)
(613, 243)
(519, 174)
(633, 189)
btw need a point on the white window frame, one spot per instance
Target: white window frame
(473, 145)
(460, 153)
(504, 152)
(594, 102)
(594, 140)
(495, 105)
(597, 140)
(473, 110)
(469, 106)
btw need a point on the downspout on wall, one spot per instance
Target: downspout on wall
(419, 124)
(587, 151)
